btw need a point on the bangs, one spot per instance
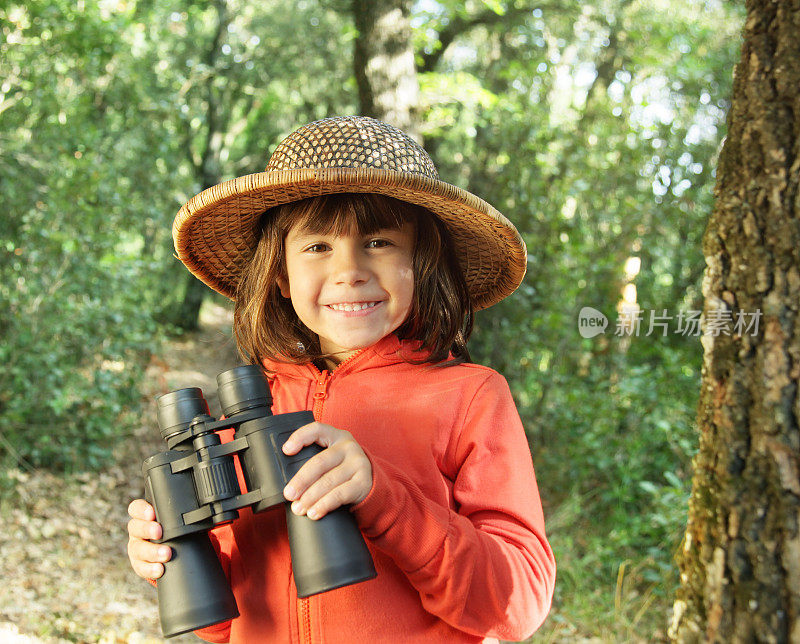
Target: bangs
(343, 214)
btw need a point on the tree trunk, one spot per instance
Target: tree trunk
(209, 172)
(383, 61)
(740, 560)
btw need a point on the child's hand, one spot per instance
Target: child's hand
(339, 475)
(146, 558)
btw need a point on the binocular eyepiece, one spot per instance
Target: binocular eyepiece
(193, 487)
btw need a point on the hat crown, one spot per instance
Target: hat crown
(351, 142)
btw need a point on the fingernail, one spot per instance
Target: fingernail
(164, 553)
(287, 446)
(155, 533)
(297, 507)
(289, 492)
(312, 513)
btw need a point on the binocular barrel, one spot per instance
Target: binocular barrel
(193, 487)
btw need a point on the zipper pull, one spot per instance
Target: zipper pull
(321, 392)
(322, 385)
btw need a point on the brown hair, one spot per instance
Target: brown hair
(265, 323)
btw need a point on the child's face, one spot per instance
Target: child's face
(351, 290)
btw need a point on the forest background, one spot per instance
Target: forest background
(594, 126)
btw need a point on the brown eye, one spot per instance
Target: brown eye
(317, 248)
(378, 243)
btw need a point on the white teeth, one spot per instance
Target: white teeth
(352, 307)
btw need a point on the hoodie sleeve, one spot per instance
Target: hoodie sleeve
(485, 568)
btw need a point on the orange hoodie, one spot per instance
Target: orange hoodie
(453, 520)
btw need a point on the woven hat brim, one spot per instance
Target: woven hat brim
(216, 232)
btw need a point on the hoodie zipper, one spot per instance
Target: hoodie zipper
(320, 394)
(340, 365)
(305, 621)
(321, 391)
(323, 380)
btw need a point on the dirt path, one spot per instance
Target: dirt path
(64, 568)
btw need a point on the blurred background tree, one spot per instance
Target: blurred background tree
(594, 126)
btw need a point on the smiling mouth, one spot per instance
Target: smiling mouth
(352, 306)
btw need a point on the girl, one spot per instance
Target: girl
(355, 272)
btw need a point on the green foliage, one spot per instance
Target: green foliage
(75, 333)
(111, 117)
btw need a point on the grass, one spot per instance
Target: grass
(605, 592)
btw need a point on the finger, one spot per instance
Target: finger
(148, 570)
(311, 471)
(342, 494)
(153, 571)
(324, 484)
(147, 552)
(330, 486)
(315, 432)
(347, 484)
(147, 558)
(353, 465)
(144, 529)
(141, 509)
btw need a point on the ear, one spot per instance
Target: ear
(283, 285)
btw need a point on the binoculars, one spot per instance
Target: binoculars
(193, 487)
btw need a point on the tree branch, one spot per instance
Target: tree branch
(460, 25)
(607, 67)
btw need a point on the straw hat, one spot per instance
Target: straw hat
(216, 232)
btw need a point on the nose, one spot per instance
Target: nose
(349, 266)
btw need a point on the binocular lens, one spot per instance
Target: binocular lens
(242, 388)
(177, 409)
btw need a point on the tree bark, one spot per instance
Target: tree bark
(383, 61)
(740, 560)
